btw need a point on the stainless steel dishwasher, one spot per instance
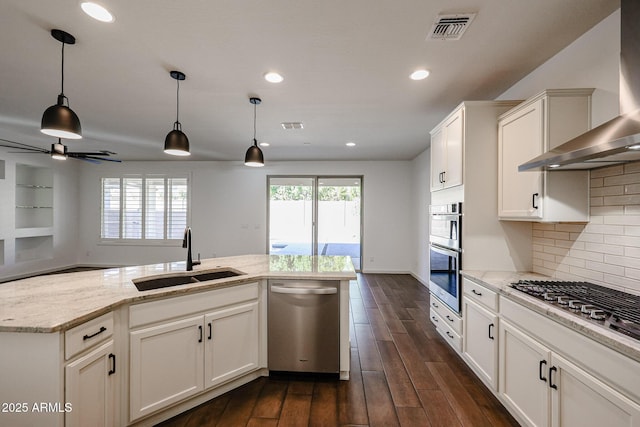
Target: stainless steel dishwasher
(304, 326)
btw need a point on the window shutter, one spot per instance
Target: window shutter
(132, 209)
(177, 207)
(155, 208)
(110, 211)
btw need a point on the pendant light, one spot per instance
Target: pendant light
(176, 143)
(254, 157)
(59, 151)
(59, 120)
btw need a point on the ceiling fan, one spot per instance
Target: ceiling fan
(59, 151)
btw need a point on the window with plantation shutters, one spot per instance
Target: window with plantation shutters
(144, 208)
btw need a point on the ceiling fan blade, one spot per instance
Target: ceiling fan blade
(21, 146)
(93, 159)
(83, 153)
(29, 150)
(86, 159)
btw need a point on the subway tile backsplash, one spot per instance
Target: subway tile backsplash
(606, 250)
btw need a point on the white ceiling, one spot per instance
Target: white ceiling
(345, 62)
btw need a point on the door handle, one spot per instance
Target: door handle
(551, 371)
(435, 319)
(449, 318)
(112, 357)
(476, 292)
(210, 331)
(490, 328)
(444, 179)
(533, 200)
(542, 363)
(200, 333)
(304, 291)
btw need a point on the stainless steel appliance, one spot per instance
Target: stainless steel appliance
(610, 308)
(445, 250)
(304, 326)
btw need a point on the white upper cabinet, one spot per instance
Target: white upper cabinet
(534, 127)
(446, 151)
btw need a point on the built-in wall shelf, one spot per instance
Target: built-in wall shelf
(34, 196)
(33, 248)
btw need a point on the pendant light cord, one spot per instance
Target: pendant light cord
(254, 125)
(62, 72)
(178, 101)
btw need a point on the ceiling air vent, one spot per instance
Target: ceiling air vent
(450, 27)
(291, 125)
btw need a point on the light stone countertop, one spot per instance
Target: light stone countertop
(500, 281)
(56, 302)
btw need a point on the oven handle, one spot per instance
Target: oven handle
(444, 251)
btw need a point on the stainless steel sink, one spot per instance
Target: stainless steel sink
(157, 282)
(213, 275)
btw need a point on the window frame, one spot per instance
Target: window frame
(142, 241)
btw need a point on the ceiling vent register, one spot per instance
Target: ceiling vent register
(292, 125)
(450, 27)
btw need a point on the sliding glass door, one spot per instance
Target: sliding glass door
(319, 215)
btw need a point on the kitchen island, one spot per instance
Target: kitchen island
(89, 346)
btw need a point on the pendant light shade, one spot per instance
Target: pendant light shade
(59, 120)
(254, 157)
(176, 143)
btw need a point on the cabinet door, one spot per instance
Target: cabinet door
(166, 364)
(437, 159)
(524, 384)
(231, 343)
(579, 399)
(90, 388)
(520, 138)
(480, 345)
(453, 142)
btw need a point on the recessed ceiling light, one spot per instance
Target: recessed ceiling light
(273, 77)
(350, 144)
(419, 75)
(97, 11)
(264, 144)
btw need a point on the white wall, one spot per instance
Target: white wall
(590, 61)
(420, 176)
(229, 210)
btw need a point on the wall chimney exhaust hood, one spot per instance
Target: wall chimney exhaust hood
(618, 140)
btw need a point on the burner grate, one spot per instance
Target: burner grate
(620, 304)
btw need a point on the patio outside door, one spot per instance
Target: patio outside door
(315, 216)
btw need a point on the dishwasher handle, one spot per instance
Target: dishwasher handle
(326, 290)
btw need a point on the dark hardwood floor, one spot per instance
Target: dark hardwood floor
(402, 374)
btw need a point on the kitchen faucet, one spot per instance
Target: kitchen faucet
(186, 243)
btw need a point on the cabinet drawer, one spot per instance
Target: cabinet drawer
(452, 337)
(87, 335)
(480, 294)
(447, 316)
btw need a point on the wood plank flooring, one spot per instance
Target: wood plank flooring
(402, 374)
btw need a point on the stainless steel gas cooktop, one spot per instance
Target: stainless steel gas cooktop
(617, 310)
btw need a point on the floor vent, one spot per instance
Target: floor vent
(292, 125)
(450, 27)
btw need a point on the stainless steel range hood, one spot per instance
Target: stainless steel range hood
(618, 140)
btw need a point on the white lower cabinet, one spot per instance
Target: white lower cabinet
(447, 323)
(167, 364)
(542, 388)
(176, 359)
(232, 343)
(90, 386)
(480, 344)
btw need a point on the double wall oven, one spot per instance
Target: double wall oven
(445, 252)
